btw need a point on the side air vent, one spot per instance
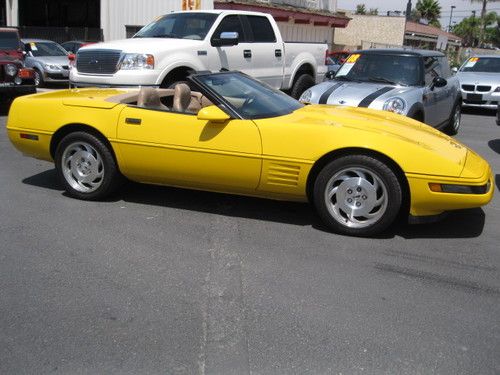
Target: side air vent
(283, 174)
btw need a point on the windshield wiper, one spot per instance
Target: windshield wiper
(385, 80)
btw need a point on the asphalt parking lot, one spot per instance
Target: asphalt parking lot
(167, 281)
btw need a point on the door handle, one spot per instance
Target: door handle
(277, 52)
(247, 54)
(133, 121)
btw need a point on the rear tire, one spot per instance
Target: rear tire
(86, 166)
(39, 81)
(357, 195)
(302, 83)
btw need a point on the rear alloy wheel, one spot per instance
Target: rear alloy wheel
(86, 167)
(357, 195)
(455, 119)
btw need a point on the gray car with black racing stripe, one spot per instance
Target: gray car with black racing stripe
(410, 82)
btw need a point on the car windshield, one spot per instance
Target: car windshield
(45, 49)
(9, 41)
(249, 98)
(482, 64)
(390, 69)
(180, 26)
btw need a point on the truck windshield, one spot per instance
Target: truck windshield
(180, 26)
(248, 97)
(9, 41)
(45, 49)
(390, 69)
(482, 64)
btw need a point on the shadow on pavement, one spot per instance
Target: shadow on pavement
(478, 111)
(458, 224)
(495, 145)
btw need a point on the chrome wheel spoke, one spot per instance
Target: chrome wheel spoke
(82, 167)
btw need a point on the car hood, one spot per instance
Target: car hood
(476, 78)
(354, 94)
(410, 143)
(55, 60)
(145, 45)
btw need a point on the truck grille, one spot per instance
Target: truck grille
(99, 61)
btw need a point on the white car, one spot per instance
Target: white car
(180, 43)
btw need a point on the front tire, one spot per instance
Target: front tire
(39, 81)
(455, 120)
(86, 166)
(357, 195)
(302, 83)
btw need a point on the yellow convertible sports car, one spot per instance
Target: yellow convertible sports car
(229, 133)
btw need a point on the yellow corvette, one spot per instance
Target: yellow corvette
(226, 132)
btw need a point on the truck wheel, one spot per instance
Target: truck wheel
(357, 195)
(301, 84)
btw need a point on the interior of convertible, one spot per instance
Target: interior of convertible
(179, 99)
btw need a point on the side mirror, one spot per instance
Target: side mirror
(330, 74)
(212, 114)
(226, 39)
(438, 82)
(454, 70)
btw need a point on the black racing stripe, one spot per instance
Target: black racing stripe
(324, 97)
(374, 95)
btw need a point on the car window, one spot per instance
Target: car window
(445, 67)
(45, 49)
(261, 29)
(382, 68)
(180, 26)
(431, 69)
(9, 40)
(482, 64)
(230, 24)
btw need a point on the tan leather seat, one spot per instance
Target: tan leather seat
(149, 98)
(182, 97)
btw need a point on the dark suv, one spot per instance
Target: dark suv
(15, 79)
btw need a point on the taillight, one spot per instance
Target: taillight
(26, 73)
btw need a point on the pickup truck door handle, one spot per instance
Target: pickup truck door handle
(277, 52)
(247, 53)
(133, 121)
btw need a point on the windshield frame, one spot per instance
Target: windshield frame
(229, 108)
(419, 82)
(150, 25)
(57, 46)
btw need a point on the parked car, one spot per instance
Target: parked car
(74, 45)
(335, 59)
(414, 83)
(231, 133)
(479, 79)
(48, 59)
(15, 78)
(180, 43)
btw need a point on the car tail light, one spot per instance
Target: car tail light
(26, 73)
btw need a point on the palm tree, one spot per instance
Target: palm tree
(360, 9)
(430, 10)
(483, 16)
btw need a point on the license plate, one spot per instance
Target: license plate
(475, 97)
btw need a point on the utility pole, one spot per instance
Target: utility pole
(483, 23)
(451, 16)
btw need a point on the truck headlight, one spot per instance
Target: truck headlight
(306, 97)
(396, 105)
(132, 61)
(10, 70)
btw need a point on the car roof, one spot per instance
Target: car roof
(399, 51)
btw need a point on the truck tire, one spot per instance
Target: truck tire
(301, 84)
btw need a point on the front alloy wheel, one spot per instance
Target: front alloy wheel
(357, 195)
(86, 166)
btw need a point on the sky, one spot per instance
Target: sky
(463, 7)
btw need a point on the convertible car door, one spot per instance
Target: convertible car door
(178, 149)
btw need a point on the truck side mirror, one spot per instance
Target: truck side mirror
(227, 38)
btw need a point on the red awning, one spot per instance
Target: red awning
(285, 13)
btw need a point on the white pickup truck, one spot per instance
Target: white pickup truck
(173, 46)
